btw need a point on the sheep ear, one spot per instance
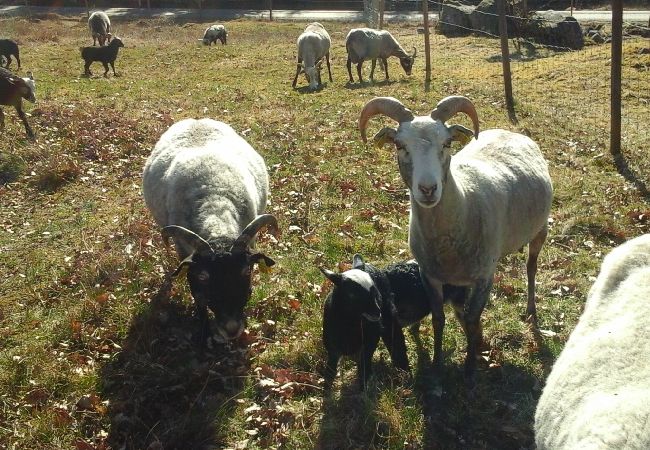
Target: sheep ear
(334, 277)
(384, 136)
(461, 134)
(357, 262)
(183, 267)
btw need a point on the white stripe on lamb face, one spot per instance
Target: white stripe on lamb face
(360, 277)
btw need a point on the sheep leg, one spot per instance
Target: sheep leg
(295, 79)
(330, 369)
(364, 364)
(385, 61)
(112, 63)
(436, 303)
(534, 247)
(349, 66)
(17, 60)
(105, 64)
(327, 59)
(23, 117)
(2, 119)
(473, 329)
(372, 69)
(393, 338)
(87, 68)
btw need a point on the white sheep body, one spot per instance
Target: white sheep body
(203, 176)
(100, 27)
(496, 199)
(597, 396)
(313, 45)
(367, 43)
(214, 33)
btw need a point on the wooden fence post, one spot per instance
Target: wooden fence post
(271, 10)
(427, 47)
(617, 60)
(381, 14)
(505, 57)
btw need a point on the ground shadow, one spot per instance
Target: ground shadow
(367, 83)
(497, 415)
(628, 173)
(164, 390)
(349, 419)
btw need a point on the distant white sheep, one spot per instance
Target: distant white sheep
(313, 45)
(213, 34)
(366, 43)
(100, 27)
(207, 188)
(598, 393)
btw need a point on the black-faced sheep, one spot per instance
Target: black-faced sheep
(313, 45)
(213, 34)
(106, 55)
(207, 188)
(100, 27)
(367, 304)
(365, 43)
(13, 90)
(598, 395)
(467, 210)
(9, 48)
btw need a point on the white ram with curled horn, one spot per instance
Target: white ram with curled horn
(468, 210)
(207, 189)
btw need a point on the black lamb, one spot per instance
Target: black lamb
(106, 55)
(9, 48)
(367, 304)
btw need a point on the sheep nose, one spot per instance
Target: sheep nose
(428, 191)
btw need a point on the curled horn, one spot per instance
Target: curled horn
(187, 236)
(388, 106)
(246, 236)
(415, 52)
(450, 106)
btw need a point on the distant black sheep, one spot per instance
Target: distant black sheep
(106, 55)
(367, 304)
(9, 48)
(13, 90)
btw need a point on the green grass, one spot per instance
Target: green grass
(96, 349)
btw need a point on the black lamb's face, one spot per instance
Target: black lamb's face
(222, 282)
(355, 294)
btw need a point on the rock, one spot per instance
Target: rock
(552, 29)
(454, 19)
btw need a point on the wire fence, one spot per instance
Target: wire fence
(573, 58)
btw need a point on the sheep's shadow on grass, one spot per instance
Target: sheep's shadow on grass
(307, 90)
(368, 83)
(349, 419)
(498, 415)
(623, 168)
(164, 391)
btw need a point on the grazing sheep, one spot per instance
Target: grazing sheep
(213, 34)
(13, 90)
(105, 55)
(367, 303)
(597, 396)
(207, 188)
(313, 45)
(366, 43)
(467, 210)
(9, 48)
(100, 28)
